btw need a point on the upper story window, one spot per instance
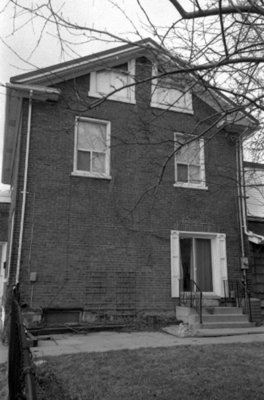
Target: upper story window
(108, 80)
(92, 148)
(189, 161)
(168, 94)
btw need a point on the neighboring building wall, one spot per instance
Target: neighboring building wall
(104, 245)
(4, 217)
(4, 214)
(254, 180)
(257, 267)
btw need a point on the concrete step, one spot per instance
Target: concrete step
(229, 331)
(222, 310)
(225, 318)
(214, 317)
(231, 325)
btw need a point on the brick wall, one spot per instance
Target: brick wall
(104, 245)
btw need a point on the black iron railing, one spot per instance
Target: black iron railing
(21, 379)
(193, 297)
(236, 293)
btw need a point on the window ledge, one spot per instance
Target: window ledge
(89, 175)
(168, 107)
(190, 186)
(112, 98)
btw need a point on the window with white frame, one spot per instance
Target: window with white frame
(92, 147)
(168, 93)
(106, 81)
(189, 161)
(199, 257)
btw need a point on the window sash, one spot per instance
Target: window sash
(92, 149)
(108, 81)
(105, 81)
(168, 94)
(189, 166)
(188, 173)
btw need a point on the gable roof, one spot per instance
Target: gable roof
(40, 82)
(81, 66)
(146, 47)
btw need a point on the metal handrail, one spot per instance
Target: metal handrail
(192, 298)
(235, 291)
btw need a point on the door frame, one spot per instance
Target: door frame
(219, 260)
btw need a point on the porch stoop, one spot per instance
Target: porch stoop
(225, 317)
(214, 317)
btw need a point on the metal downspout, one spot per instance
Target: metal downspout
(240, 198)
(24, 192)
(242, 206)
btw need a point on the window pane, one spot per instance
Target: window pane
(83, 161)
(182, 173)
(161, 94)
(195, 174)
(98, 162)
(186, 252)
(203, 263)
(118, 80)
(167, 94)
(91, 136)
(194, 152)
(189, 153)
(108, 81)
(182, 155)
(103, 82)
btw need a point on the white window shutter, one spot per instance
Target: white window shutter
(175, 264)
(221, 239)
(93, 83)
(202, 162)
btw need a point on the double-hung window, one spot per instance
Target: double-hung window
(92, 148)
(189, 161)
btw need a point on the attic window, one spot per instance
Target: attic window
(112, 79)
(168, 93)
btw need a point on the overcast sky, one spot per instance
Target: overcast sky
(23, 47)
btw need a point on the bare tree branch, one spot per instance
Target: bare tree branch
(251, 9)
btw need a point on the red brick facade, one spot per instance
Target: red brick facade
(104, 245)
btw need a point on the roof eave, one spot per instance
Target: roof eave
(73, 69)
(14, 97)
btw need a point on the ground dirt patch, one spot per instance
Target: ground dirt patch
(3, 381)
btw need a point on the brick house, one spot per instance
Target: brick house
(120, 200)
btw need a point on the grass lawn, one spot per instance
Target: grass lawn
(213, 372)
(3, 381)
